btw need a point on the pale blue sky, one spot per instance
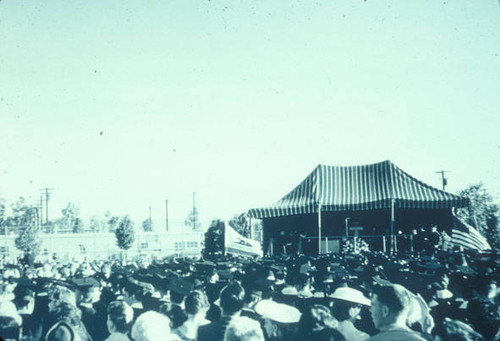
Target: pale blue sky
(240, 100)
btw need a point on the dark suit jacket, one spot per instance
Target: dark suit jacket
(94, 320)
(214, 331)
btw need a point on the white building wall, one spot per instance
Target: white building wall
(103, 245)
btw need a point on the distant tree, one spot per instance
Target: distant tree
(125, 233)
(193, 220)
(113, 223)
(2, 216)
(96, 224)
(70, 215)
(23, 215)
(28, 240)
(214, 239)
(147, 226)
(78, 226)
(482, 213)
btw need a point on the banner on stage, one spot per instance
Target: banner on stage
(236, 244)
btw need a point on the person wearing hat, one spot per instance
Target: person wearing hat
(179, 289)
(93, 313)
(25, 304)
(133, 295)
(232, 299)
(347, 304)
(280, 320)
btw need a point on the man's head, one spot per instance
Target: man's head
(389, 305)
(151, 326)
(232, 298)
(196, 303)
(120, 316)
(25, 299)
(313, 319)
(243, 329)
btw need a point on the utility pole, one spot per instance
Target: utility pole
(150, 222)
(166, 215)
(47, 196)
(194, 212)
(443, 179)
(40, 210)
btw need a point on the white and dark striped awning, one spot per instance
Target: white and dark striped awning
(364, 187)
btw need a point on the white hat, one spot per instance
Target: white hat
(350, 295)
(282, 313)
(444, 294)
(8, 309)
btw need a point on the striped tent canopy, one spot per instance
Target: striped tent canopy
(366, 187)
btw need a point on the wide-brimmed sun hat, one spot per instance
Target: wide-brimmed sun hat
(282, 313)
(350, 295)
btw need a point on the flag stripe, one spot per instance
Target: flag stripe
(473, 235)
(467, 236)
(467, 240)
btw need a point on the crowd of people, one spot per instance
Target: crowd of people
(367, 296)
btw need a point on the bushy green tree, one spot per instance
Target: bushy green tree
(125, 233)
(214, 239)
(482, 213)
(28, 239)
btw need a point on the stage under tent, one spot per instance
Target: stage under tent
(376, 201)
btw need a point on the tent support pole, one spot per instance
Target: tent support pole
(392, 227)
(319, 229)
(250, 227)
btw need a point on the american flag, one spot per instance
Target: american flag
(467, 236)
